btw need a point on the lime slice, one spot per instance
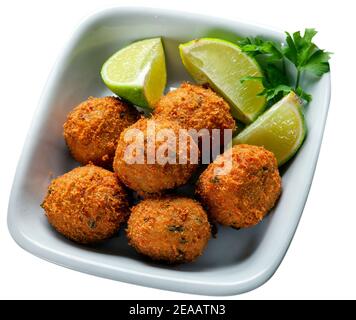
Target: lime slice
(137, 72)
(222, 64)
(281, 129)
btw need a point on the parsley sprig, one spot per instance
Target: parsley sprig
(272, 56)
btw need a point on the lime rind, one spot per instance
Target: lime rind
(132, 93)
(156, 77)
(299, 141)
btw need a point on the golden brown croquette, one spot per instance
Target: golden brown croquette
(242, 197)
(86, 205)
(171, 229)
(154, 176)
(93, 128)
(195, 107)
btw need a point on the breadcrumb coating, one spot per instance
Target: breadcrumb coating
(146, 178)
(86, 205)
(244, 196)
(93, 128)
(195, 107)
(171, 229)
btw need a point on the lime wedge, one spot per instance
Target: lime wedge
(281, 129)
(137, 72)
(222, 64)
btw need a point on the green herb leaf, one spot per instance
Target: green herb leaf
(304, 95)
(305, 54)
(181, 254)
(271, 56)
(291, 51)
(183, 240)
(215, 179)
(257, 46)
(318, 63)
(275, 75)
(91, 224)
(276, 91)
(176, 228)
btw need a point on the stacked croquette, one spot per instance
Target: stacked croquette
(90, 203)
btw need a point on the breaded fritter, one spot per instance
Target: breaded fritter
(155, 175)
(195, 107)
(87, 204)
(93, 128)
(171, 229)
(243, 196)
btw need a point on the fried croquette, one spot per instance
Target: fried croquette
(156, 164)
(93, 128)
(245, 194)
(171, 229)
(195, 107)
(86, 205)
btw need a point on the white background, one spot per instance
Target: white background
(321, 261)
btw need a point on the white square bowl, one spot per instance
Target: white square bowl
(235, 262)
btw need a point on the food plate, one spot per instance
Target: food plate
(235, 262)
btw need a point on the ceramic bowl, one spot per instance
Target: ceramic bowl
(235, 262)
